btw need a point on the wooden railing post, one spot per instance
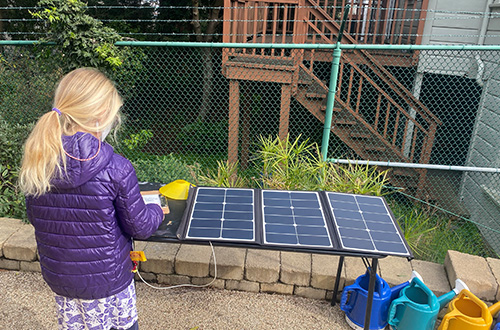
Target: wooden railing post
(234, 120)
(300, 23)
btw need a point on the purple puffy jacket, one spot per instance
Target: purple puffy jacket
(84, 226)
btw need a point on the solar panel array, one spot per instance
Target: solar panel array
(364, 223)
(223, 214)
(305, 219)
(294, 218)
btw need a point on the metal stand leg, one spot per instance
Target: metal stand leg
(371, 289)
(337, 280)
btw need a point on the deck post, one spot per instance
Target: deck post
(245, 121)
(286, 95)
(234, 118)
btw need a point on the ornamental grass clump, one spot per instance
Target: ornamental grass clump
(288, 165)
(296, 165)
(227, 176)
(354, 178)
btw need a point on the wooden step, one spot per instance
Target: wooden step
(360, 136)
(323, 108)
(375, 148)
(344, 122)
(312, 95)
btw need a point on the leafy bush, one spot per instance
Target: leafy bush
(289, 165)
(12, 137)
(203, 136)
(164, 169)
(84, 40)
(353, 178)
(26, 84)
(131, 145)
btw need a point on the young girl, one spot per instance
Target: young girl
(85, 205)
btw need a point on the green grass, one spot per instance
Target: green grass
(430, 234)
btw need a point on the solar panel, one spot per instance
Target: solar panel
(293, 218)
(222, 214)
(364, 223)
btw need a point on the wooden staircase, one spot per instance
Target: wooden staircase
(374, 114)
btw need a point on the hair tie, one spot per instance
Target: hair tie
(57, 110)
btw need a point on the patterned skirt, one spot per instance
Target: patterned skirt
(118, 311)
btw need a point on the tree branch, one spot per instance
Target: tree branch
(196, 20)
(213, 23)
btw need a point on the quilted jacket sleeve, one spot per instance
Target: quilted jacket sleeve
(135, 217)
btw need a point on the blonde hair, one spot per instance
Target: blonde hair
(88, 101)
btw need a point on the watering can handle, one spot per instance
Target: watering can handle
(392, 313)
(424, 287)
(447, 318)
(343, 301)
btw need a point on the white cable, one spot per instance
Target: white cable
(184, 285)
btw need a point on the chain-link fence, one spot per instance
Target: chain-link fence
(188, 107)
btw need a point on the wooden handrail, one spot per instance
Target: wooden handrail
(388, 78)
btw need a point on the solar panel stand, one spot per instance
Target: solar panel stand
(337, 280)
(371, 288)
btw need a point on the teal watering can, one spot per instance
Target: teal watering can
(354, 299)
(417, 307)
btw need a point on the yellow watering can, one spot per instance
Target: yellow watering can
(468, 312)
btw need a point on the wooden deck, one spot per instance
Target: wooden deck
(373, 133)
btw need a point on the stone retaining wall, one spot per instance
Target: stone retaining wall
(302, 274)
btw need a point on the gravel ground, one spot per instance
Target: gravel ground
(27, 303)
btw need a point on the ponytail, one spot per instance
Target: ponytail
(43, 153)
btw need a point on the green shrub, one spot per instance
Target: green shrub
(84, 40)
(353, 178)
(164, 169)
(26, 84)
(289, 165)
(12, 137)
(203, 136)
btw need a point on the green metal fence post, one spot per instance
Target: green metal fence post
(332, 90)
(332, 87)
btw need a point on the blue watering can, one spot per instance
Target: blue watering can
(417, 307)
(355, 296)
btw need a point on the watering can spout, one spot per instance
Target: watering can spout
(417, 275)
(447, 297)
(459, 286)
(494, 309)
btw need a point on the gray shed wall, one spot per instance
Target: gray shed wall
(480, 192)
